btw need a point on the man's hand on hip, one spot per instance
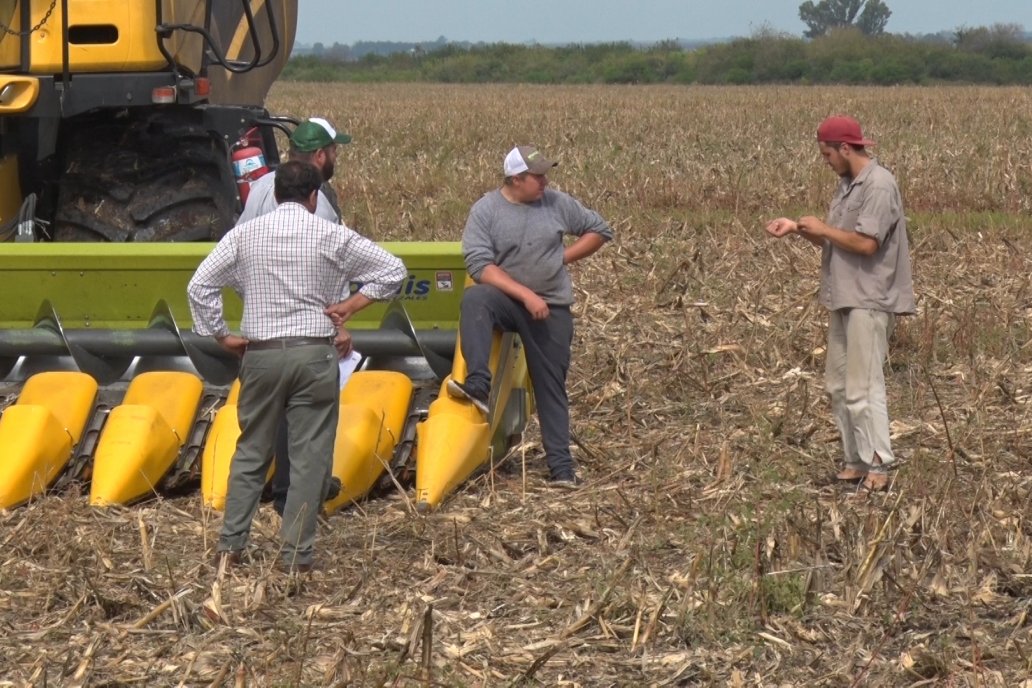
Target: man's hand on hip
(341, 312)
(233, 344)
(342, 342)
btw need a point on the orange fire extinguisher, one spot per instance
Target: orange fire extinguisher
(248, 164)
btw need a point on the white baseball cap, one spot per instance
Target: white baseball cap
(526, 159)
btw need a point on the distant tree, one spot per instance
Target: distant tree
(338, 52)
(869, 16)
(996, 41)
(668, 45)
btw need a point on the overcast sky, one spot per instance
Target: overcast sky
(587, 21)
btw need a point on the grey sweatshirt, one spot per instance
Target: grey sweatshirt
(526, 240)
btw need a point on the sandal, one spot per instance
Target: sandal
(875, 482)
(844, 478)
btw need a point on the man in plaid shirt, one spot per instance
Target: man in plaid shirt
(292, 270)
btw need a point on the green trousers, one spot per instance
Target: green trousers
(301, 382)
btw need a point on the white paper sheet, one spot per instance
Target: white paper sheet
(348, 365)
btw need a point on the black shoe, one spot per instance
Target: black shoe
(333, 488)
(460, 391)
(566, 479)
(292, 568)
(227, 559)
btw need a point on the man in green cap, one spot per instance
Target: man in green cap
(314, 141)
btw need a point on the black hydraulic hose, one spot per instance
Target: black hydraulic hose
(165, 31)
(64, 51)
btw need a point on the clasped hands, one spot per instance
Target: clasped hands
(783, 226)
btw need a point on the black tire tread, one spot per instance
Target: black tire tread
(143, 182)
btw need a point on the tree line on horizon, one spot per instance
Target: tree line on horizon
(999, 54)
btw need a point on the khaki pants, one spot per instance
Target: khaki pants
(857, 346)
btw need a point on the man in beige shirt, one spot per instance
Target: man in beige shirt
(865, 283)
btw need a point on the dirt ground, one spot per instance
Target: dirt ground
(702, 549)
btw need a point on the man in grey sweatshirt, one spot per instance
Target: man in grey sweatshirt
(514, 250)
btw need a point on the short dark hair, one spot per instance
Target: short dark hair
(304, 156)
(295, 181)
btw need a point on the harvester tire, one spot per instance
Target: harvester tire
(144, 182)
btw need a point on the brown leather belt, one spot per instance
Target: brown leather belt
(288, 343)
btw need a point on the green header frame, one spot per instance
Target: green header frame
(117, 286)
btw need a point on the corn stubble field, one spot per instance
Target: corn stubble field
(701, 550)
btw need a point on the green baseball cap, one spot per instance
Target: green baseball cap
(316, 133)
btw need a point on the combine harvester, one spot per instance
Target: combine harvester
(124, 122)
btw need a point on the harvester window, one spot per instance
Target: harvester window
(93, 34)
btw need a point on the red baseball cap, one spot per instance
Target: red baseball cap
(842, 129)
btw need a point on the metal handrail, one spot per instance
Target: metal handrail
(165, 31)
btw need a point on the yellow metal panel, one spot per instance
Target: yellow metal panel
(17, 93)
(134, 50)
(135, 450)
(10, 15)
(451, 443)
(142, 437)
(374, 406)
(174, 395)
(356, 462)
(234, 394)
(218, 456)
(456, 438)
(66, 394)
(38, 433)
(35, 448)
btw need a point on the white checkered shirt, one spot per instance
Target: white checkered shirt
(288, 266)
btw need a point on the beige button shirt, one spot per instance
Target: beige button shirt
(870, 204)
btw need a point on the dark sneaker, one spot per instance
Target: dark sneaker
(460, 391)
(227, 559)
(566, 479)
(295, 568)
(333, 488)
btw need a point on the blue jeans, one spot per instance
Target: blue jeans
(546, 344)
